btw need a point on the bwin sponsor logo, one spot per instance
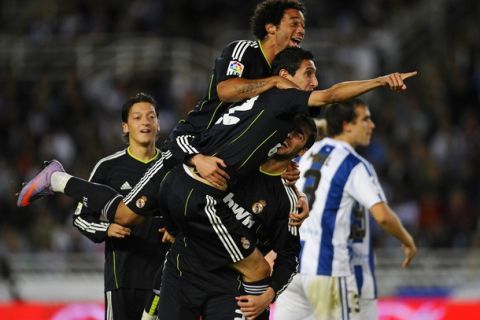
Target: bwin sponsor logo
(240, 213)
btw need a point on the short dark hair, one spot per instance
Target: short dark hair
(139, 97)
(338, 113)
(290, 60)
(305, 120)
(271, 11)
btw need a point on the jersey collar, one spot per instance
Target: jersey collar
(263, 53)
(157, 152)
(339, 143)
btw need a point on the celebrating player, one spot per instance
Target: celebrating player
(132, 256)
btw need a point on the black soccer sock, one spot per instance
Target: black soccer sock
(96, 196)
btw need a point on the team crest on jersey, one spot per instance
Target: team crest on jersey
(245, 243)
(235, 68)
(258, 206)
(141, 202)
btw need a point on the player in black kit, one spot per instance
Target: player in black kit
(243, 70)
(261, 203)
(244, 137)
(132, 256)
(266, 120)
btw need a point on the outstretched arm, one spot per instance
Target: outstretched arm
(350, 89)
(238, 89)
(389, 221)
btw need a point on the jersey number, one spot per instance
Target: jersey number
(312, 177)
(229, 118)
(358, 225)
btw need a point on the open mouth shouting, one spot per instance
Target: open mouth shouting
(295, 42)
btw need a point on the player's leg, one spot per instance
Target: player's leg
(368, 309)
(150, 310)
(328, 296)
(136, 302)
(116, 305)
(181, 296)
(53, 179)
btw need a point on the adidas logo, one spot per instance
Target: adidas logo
(126, 186)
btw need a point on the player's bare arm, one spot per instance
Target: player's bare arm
(254, 267)
(389, 221)
(238, 89)
(349, 89)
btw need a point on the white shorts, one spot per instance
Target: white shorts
(317, 298)
(368, 309)
(368, 306)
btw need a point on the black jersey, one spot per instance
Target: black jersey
(249, 132)
(263, 204)
(242, 59)
(130, 262)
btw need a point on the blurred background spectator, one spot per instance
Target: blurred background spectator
(66, 67)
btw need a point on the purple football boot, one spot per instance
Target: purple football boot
(40, 185)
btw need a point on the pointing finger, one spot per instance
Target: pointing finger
(408, 74)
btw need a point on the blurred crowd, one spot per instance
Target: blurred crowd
(425, 145)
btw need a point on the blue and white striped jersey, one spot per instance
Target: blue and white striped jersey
(335, 179)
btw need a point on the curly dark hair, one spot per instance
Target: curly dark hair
(271, 11)
(306, 121)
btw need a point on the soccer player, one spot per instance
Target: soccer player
(262, 203)
(242, 71)
(336, 181)
(243, 137)
(132, 256)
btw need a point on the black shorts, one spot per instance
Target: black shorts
(198, 211)
(189, 291)
(125, 303)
